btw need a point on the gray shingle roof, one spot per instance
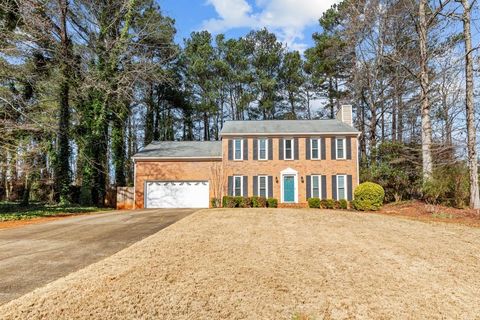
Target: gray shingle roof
(181, 149)
(286, 127)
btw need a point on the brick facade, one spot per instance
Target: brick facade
(218, 171)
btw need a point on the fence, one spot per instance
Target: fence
(125, 198)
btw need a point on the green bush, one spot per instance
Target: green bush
(313, 203)
(215, 202)
(258, 202)
(228, 202)
(328, 204)
(272, 203)
(368, 196)
(247, 202)
(343, 204)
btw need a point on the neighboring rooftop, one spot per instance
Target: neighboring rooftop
(181, 149)
(286, 127)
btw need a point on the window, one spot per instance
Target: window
(340, 148)
(315, 186)
(288, 149)
(315, 149)
(237, 186)
(341, 189)
(238, 149)
(262, 149)
(263, 186)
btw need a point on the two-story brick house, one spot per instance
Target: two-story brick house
(291, 160)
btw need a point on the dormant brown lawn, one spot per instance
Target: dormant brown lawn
(275, 264)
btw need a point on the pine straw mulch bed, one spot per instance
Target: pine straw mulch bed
(418, 210)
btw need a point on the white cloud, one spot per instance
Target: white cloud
(286, 18)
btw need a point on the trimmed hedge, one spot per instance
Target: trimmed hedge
(272, 203)
(313, 202)
(248, 202)
(368, 196)
(327, 203)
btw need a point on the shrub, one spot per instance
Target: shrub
(247, 202)
(313, 202)
(343, 204)
(259, 202)
(228, 202)
(272, 203)
(328, 204)
(368, 196)
(215, 202)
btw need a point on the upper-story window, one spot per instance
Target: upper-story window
(341, 187)
(237, 186)
(315, 149)
(238, 149)
(340, 144)
(288, 149)
(315, 186)
(262, 149)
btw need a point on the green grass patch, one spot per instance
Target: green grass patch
(442, 215)
(15, 211)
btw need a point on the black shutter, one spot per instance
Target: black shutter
(230, 149)
(255, 185)
(230, 185)
(307, 148)
(334, 187)
(245, 149)
(295, 156)
(334, 147)
(245, 186)
(323, 148)
(270, 187)
(280, 149)
(349, 188)
(324, 187)
(255, 149)
(349, 148)
(309, 187)
(270, 149)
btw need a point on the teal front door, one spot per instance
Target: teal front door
(288, 189)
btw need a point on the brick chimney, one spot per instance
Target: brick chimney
(344, 114)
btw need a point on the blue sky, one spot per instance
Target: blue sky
(293, 21)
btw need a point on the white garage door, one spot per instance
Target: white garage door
(177, 194)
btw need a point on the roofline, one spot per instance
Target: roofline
(154, 158)
(357, 133)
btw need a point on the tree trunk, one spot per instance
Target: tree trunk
(63, 147)
(471, 131)
(424, 92)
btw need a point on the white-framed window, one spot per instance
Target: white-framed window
(238, 149)
(340, 145)
(316, 188)
(262, 149)
(315, 149)
(263, 186)
(288, 149)
(341, 187)
(237, 186)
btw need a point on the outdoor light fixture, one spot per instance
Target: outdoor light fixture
(301, 178)
(276, 179)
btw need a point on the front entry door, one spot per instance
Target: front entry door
(288, 189)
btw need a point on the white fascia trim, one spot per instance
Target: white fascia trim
(357, 133)
(174, 158)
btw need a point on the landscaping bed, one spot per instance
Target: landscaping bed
(419, 210)
(13, 211)
(275, 264)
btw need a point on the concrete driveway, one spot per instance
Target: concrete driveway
(35, 255)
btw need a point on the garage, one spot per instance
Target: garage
(177, 194)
